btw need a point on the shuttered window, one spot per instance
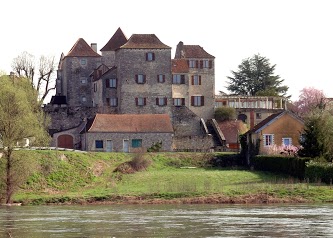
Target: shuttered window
(197, 101)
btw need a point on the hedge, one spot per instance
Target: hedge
(319, 171)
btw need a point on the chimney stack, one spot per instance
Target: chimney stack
(94, 46)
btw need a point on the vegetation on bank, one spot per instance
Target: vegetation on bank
(74, 177)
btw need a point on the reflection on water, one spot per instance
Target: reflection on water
(167, 221)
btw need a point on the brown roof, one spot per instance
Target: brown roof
(179, 66)
(117, 40)
(195, 51)
(82, 49)
(144, 41)
(231, 129)
(132, 123)
(270, 119)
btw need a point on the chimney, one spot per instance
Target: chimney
(94, 46)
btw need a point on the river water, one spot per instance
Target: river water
(168, 221)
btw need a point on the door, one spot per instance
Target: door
(108, 145)
(66, 141)
(126, 146)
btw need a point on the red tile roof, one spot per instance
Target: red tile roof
(117, 40)
(179, 66)
(144, 41)
(195, 51)
(132, 123)
(82, 49)
(231, 129)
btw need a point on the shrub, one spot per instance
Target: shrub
(285, 150)
(225, 113)
(321, 171)
(138, 163)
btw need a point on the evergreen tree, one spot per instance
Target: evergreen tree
(255, 77)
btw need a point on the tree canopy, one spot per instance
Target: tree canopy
(255, 77)
(20, 117)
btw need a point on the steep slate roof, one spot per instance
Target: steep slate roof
(179, 66)
(144, 41)
(82, 49)
(117, 40)
(270, 119)
(195, 51)
(132, 123)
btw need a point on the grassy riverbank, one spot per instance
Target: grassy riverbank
(74, 177)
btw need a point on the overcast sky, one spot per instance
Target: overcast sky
(296, 35)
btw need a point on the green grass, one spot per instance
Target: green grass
(71, 176)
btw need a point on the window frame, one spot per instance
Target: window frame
(287, 138)
(101, 146)
(140, 78)
(136, 143)
(140, 101)
(178, 102)
(150, 56)
(178, 79)
(113, 102)
(161, 101)
(196, 79)
(197, 100)
(268, 140)
(161, 78)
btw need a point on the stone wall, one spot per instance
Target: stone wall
(148, 139)
(200, 143)
(131, 62)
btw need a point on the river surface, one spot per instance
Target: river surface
(167, 221)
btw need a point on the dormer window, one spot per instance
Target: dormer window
(150, 56)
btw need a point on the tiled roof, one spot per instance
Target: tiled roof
(117, 40)
(265, 121)
(131, 123)
(179, 66)
(144, 41)
(82, 49)
(231, 129)
(195, 51)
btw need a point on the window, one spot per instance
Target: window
(258, 115)
(83, 99)
(150, 56)
(178, 79)
(179, 102)
(286, 141)
(196, 79)
(113, 102)
(268, 139)
(161, 78)
(192, 63)
(197, 101)
(140, 78)
(111, 83)
(83, 61)
(161, 101)
(99, 144)
(95, 87)
(136, 143)
(205, 63)
(83, 80)
(140, 101)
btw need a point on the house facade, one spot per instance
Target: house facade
(128, 132)
(280, 129)
(134, 76)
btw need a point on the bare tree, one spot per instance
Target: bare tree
(25, 65)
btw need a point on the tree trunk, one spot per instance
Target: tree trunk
(9, 181)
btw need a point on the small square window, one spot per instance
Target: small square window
(286, 141)
(83, 61)
(99, 144)
(83, 80)
(196, 80)
(113, 102)
(140, 78)
(150, 56)
(161, 78)
(258, 115)
(192, 64)
(205, 63)
(140, 101)
(136, 143)
(83, 99)
(179, 102)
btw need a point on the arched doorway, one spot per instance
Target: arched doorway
(66, 141)
(242, 117)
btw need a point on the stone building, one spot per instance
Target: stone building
(134, 76)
